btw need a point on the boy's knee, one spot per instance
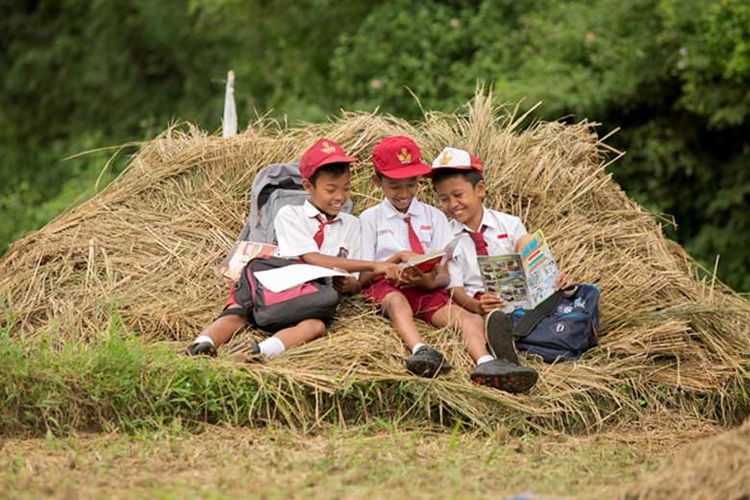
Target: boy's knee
(469, 320)
(394, 301)
(319, 328)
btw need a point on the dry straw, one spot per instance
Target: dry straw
(151, 240)
(717, 467)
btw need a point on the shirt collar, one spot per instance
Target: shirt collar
(487, 220)
(312, 212)
(413, 210)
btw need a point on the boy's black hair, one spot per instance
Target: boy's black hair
(334, 169)
(471, 176)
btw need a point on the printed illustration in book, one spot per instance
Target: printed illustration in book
(522, 280)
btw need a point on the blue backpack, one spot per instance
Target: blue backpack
(560, 328)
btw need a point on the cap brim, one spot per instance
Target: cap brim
(336, 158)
(434, 169)
(414, 170)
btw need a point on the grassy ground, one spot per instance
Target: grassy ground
(152, 414)
(377, 460)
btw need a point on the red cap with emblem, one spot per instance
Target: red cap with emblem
(323, 152)
(397, 157)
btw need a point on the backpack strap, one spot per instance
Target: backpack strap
(531, 318)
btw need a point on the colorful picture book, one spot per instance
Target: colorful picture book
(243, 252)
(523, 280)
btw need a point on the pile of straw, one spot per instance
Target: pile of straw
(717, 467)
(148, 246)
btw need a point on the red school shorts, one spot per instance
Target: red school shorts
(232, 307)
(424, 303)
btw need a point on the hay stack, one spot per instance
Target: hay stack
(717, 467)
(149, 243)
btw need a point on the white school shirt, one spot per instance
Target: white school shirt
(296, 227)
(502, 233)
(384, 231)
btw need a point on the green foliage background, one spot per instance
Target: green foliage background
(675, 75)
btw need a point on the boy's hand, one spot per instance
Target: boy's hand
(405, 255)
(347, 285)
(489, 302)
(402, 256)
(414, 277)
(390, 270)
(561, 281)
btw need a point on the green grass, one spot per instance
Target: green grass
(113, 381)
(120, 382)
(364, 461)
(118, 416)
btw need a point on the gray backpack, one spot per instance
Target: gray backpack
(274, 186)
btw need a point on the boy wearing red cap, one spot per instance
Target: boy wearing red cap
(400, 226)
(316, 232)
(457, 177)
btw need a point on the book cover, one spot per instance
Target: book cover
(540, 268)
(523, 280)
(243, 252)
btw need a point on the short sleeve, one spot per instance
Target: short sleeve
(368, 235)
(442, 234)
(517, 230)
(355, 236)
(293, 239)
(455, 269)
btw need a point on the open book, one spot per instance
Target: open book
(522, 280)
(428, 261)
(243, 252)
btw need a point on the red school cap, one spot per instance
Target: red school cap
(323, 152)
(397, 157)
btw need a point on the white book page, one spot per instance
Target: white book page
(284, 278)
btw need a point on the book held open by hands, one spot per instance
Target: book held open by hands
(524, 279)
(424, 263)
(427, 262)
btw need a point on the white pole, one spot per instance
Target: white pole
(229, 123)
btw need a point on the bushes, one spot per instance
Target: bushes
(674, 75)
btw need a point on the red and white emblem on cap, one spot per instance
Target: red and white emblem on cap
(327, 148)
(404, 156)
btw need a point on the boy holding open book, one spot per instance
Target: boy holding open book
(457, 177)
(402, 225)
